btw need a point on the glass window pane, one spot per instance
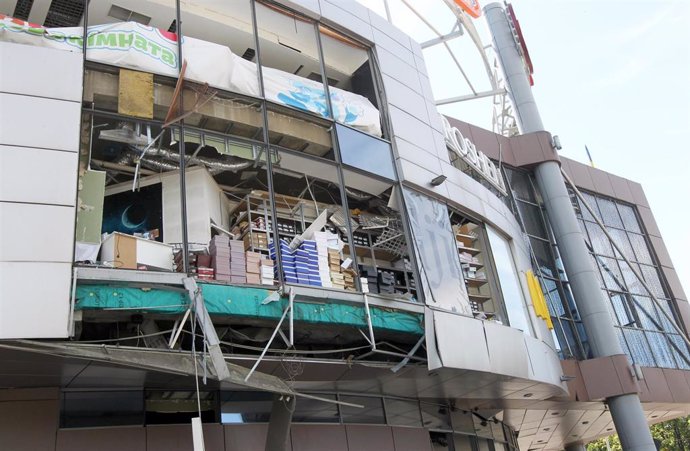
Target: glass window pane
(647, 313)
(372, 413)
(621, 309)
(351, 82)
(290, 60)
(629, 218)
(365, 152)
(553, 297)
(621, 239)
(246, 407)
(613, 279)
(462, 421)
(599, 241)
(631, 281)
(661, 349)
(315, 411)
(93, 409)
(520, 184)
(542, 252)
(651, 277)
(592, 203)
(482, 428)
(462, 443)
(531, 217)
(435, 416)
(609, 213)
(441, 441)
(400, 412)
(680, 351)
(513, 297)
(639, 348)
(623, 343)
(639, 244)
(179, 407)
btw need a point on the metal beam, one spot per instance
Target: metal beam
(447, 37)
(478, 95)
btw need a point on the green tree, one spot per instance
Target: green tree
(673, 435)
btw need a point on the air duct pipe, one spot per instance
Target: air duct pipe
(626, 410)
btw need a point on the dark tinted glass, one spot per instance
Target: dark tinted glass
(531, 217)
(92, 409)
(372, 413)
(315, 411)
(365, 152)
(246, 407)
(403, 413)
(435, 416)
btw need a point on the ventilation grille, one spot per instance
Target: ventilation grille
(22, 9)
(127, 15)
(64, 13)
(249, 54)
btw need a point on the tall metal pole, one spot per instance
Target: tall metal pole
(181, 147)
(626, 410)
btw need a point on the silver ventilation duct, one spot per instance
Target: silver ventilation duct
(167, 160)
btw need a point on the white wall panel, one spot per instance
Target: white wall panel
(27, 73)
(461, 342)
(38, 175)
(34, 299)
(393, 66)
(39, 122)
(411, 129)
(36, 232)
(405, 98)
(344, 18)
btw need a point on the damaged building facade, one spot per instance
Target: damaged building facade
(245, 224)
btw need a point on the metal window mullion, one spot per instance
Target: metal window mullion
(269, 163)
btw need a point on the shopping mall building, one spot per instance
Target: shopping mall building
(251, 212)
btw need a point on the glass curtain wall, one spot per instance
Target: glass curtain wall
(272, 114)
(645, 333)
(528, 207)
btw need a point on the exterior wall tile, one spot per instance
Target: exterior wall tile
(398, 69)
(344, 18)
(390, 30)
(401, 51)
(660, 251)
(602, 183)
(309, 8)
(678, 385)
(369, 438)
(418, 156)
(426, 87)
(621, 188)
(411, 439)
(638, 194)
(674, 283)
(657, 385)
(178, 437)
(601, 378)
(29, 425)
(421, 177)
(648, 221)
(580, 175)
(406, 99)
(421, 65)
(312, 438)
(411, 129)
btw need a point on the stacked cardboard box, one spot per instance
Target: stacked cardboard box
(386, 282)
(220, 257)
(370, 278)
(253, 261)
(267, 271)
(307, 264)
(349, 275)
(288, 260)
(256, 240)
(238, 264)
(204, 270)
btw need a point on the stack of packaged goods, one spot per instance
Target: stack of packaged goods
(238, 264)
(349, 275)
(257, 238)
(335, 270)
(307, 264)
(253, 267)
(204, 269)
(220, 257)
(267, 271)
(288, 260)
(370, 279)
(386, 282)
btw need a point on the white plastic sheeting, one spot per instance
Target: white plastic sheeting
(139, 47)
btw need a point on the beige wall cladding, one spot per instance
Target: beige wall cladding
(680, 390)
(660, 250)
(601, 378)
(648, 221)
(602, 183)
(576, 386)
(130, 438)
(638, 194)
(621, 189)
(178, 437)
(318, 438)
(369, 438)
(28, 425)
(580, 175)
(657, 386)
(409, 439)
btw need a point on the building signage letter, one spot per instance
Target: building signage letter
(465, 149)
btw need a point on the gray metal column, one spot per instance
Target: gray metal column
(626, 410)
(279, 424)
(576, 447)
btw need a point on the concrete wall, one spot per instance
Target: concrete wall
(39, 143)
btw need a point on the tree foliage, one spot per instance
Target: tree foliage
(672, 435)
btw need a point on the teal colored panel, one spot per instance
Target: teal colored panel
(223, 300)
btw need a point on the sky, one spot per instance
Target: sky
(609, 74)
